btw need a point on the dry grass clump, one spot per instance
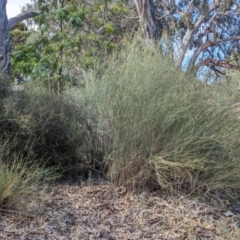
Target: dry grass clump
(163, 129)
(19, 175)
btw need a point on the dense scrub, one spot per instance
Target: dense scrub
(42, 138)
(55, 128)
(147, 124)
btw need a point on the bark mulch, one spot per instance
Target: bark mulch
(105, 212)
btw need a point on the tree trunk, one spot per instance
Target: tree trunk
(5, 27)
(145, 9)
(4, 39)
(186, 40)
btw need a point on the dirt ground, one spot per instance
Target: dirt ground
(102, 211)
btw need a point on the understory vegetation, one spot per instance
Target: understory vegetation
(136, 121)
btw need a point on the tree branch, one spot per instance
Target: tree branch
(213, 62)
(188, 35)
(21, 17)
(209, 44)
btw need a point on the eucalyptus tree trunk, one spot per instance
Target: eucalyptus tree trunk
(4, 39)
(145, 9)
(5, 27)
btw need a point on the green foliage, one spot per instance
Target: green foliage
(109, 28)
(119, 7)
(55, 44)
(162, 129)
(72, 36)
(23, 60)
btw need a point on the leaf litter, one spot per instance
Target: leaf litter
(102, 211)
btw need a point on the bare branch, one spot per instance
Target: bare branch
(130, 17)
(160, 18)
(187, 37)
(217, 63)
(21, 17)
(210, 44)
(189, 5)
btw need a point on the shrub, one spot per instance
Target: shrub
(163, 129)
(60, 131)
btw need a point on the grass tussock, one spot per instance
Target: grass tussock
(19, 175)
(163, 129)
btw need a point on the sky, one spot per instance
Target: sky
(14, 7)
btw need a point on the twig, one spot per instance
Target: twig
(16, 212)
